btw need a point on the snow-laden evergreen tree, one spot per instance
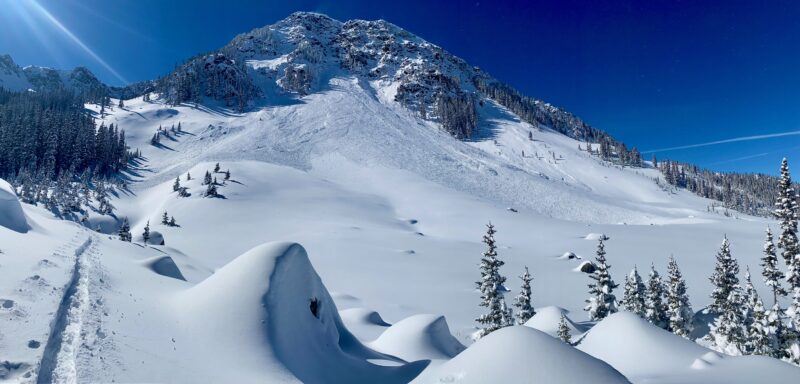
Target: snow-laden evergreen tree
(770, 271)
(211, 190)
(146, 233)
(602, 301)
(759, 334)
(523, 301)
(165, 218)
(125, 231)
(207, 178)
(172, 222)
(786, 213)
(728, 330)
(508, 314)
(491, 287)
(724, 278)
(655, 309)
(679, 310)
(176, 186)
(563, 330)
(633, 299)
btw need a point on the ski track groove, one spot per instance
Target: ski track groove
(58, 364)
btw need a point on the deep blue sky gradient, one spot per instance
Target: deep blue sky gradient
(655, 74)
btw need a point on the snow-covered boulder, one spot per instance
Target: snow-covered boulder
(522, 355)
(268, 313)
(419, 337)
(11, 215)
(642, 351)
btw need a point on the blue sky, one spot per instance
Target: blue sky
(655, 74)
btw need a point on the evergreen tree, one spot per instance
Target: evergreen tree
(523, 301)
(779, 338)
(786, 213)
(121, 104)
(602, 302)
(228, 174)
(211, 190)
(125, 231)
(172, 222)
(772, 275)
(216, 168)
(656, 310)
(727, 332)
(165, 218)
(146, 233)
(176, 186)
(563, 330)
(759, 333)
(491, 287)
(188, 176)
(207, 178)
(679, 310)
(633, 299)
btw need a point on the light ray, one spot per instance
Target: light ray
(76, 40)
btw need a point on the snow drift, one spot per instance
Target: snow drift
(546, 320)
(644, 352)
(11, 215)
(419, 337)
(279, 320)
(523, 355)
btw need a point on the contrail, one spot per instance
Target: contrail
(726, 141)
(77, 41)
(742, 158)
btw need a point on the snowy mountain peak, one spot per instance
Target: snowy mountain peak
(15, 78)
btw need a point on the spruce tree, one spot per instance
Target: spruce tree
(165, 218)
(491, 287)
(770, 271)
(146, 233)
(172, 222)
(125, 231)
(759, 333)
(563, 330)
(176, 186)
(633, 299)
(656, 310)
(786, 213)
(211, 190)
(523, 301)
(602, 302)
(216, 168)
(207, 178)
(679, 310)
(188, 176)
(727, 332)
(228, 174)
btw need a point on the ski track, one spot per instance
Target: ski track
(58, 363)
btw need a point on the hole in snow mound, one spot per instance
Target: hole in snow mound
(586, 267)
(569, 256)
(164, 266)
(11, 215)
(596, 236)
(8, 303)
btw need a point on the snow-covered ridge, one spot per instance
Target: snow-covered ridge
(15, 78)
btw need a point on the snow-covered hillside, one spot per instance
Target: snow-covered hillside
(15, 78)
(344, 246)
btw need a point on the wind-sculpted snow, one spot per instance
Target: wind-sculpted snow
(277, 318)
(520, 354)
(419, 337)
(646, 353)
(11, 215)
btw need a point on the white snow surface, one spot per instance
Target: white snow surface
(11, 215)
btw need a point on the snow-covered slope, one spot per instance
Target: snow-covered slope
(389, 209)
(15, 78)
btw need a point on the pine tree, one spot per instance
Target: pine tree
(523, 301)
(165, 218)
(779, 338)
(228, 174)
(656, 311)
(172, 222)
(211, 190)
(759, 333)
(125, 231)
(563, 330)
(146, 233)
(179, 127)
(679, 310)
(633, 299)
(121, 104)
(207, 178)
(602, 302)
(786, 213)
(176, 186)
(216, 168)
(727, 332)
(772, 275)
(188, 176)
(491, 287)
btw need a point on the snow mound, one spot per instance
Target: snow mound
(568, 256)
(596, 236)
(546, 320)
(277, 312)
(523, 355)
(643, 351)
(11, 215)
(364, 323)
(585, 267)
(419, 337)
(164, 266)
